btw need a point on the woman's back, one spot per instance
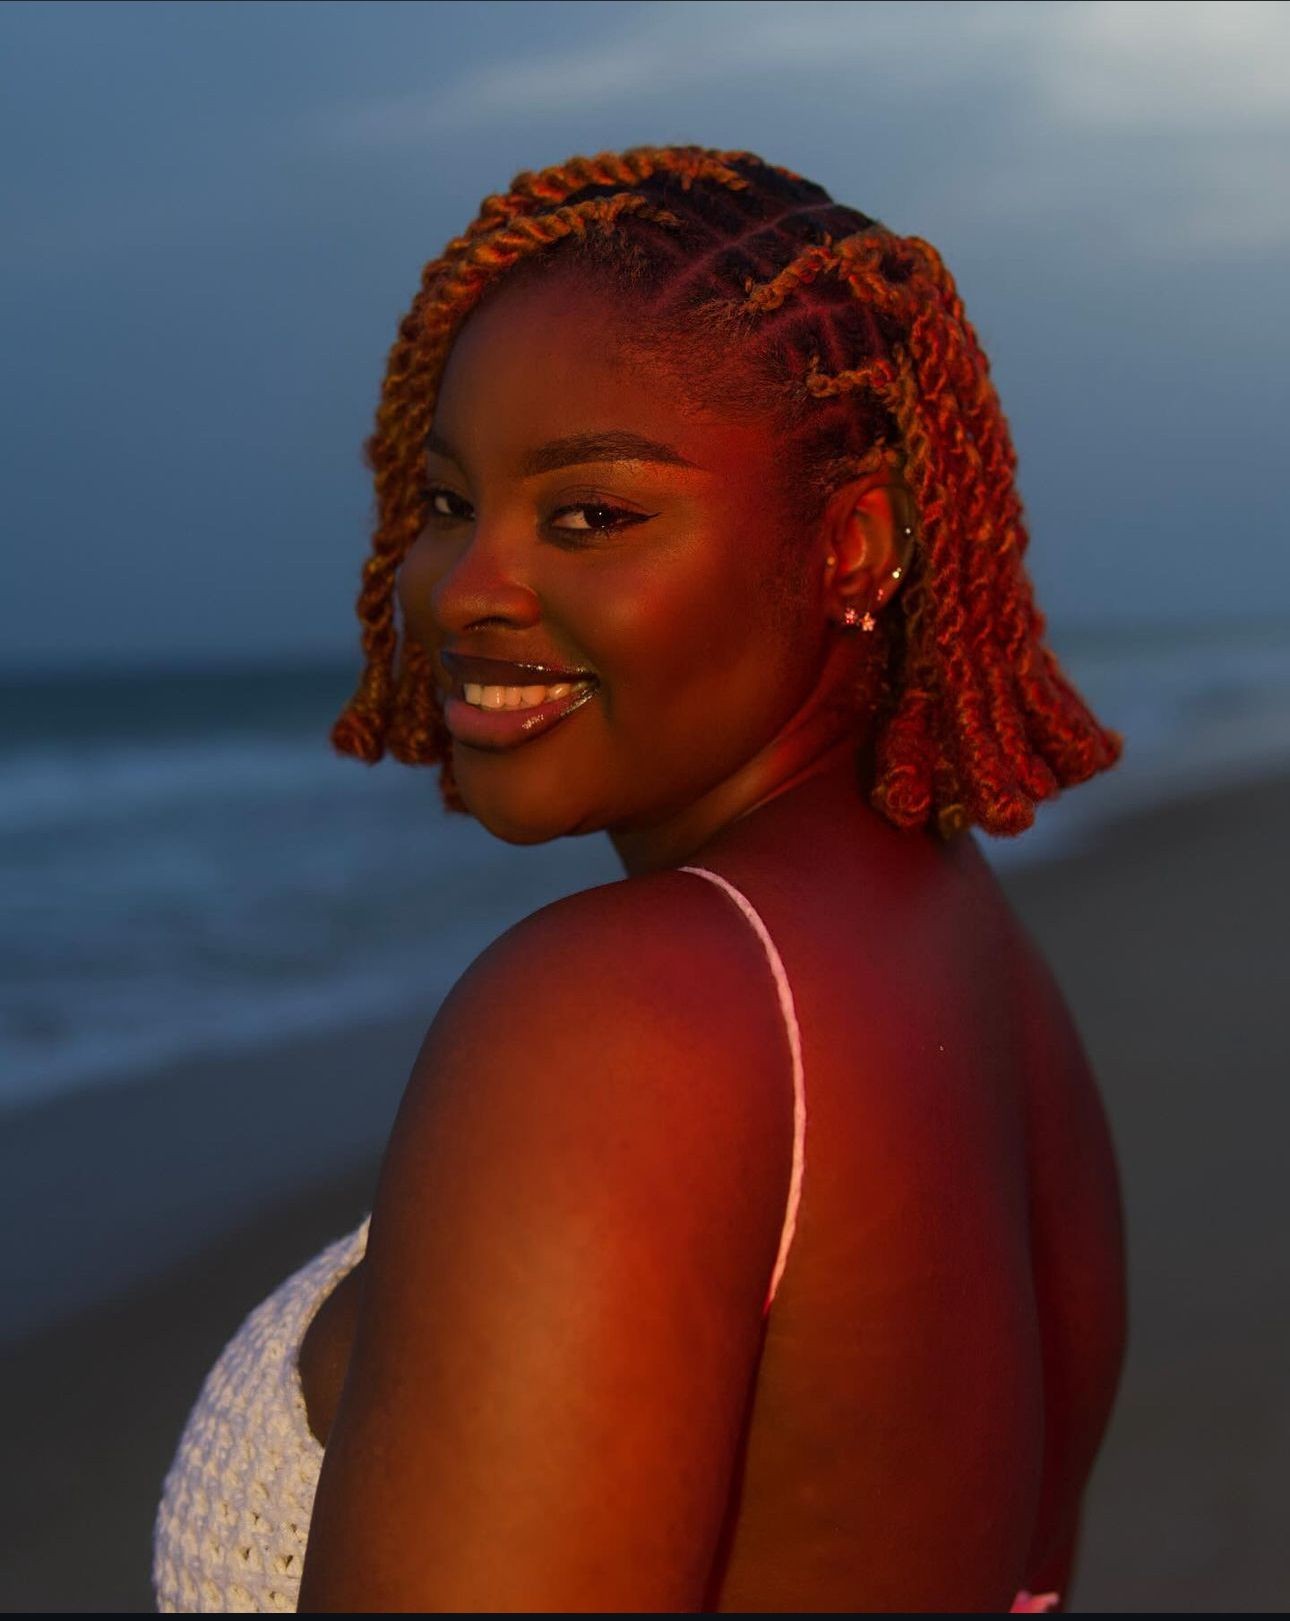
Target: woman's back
(949, 1332)
(946, 1339)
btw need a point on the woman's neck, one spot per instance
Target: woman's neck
(739, 807)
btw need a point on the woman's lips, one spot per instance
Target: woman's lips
(463, 667)
(500, 729)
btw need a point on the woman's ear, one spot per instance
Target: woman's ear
(870, 525)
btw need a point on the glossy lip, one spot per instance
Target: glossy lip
(497, 730)
(487, 672)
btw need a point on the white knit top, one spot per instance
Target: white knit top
(233, 1521)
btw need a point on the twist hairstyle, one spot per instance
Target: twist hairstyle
(762, 295)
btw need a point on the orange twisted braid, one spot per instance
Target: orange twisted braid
(857, 341)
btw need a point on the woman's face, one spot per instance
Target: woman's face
(664, 578)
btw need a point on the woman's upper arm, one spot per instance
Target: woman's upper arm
(569, 1251)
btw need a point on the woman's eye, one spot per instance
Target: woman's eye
(618, 517)
(433, 493)
(598, 516)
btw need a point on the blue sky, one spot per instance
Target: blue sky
(215, 216)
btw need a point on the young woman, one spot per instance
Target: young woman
(697, 511)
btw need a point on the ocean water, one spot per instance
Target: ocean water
(188, 867)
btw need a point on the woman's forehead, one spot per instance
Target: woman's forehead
(545, 360)
(540, 336)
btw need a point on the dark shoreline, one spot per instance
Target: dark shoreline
(1168, 941)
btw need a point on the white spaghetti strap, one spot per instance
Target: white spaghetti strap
(799, 1083)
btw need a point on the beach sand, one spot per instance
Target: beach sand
(1169, 942)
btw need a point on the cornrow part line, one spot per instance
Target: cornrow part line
(769, 295)
(773, 228)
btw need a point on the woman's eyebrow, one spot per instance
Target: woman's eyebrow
(613, 445)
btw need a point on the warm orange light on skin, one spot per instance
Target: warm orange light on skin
(719, 688)
(946, 1079)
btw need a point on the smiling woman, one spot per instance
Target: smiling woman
(697, 527)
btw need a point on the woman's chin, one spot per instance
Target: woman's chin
(535, 821)
(514, 833)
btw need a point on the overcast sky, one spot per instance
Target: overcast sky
(215, 216)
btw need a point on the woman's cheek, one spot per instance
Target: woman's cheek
(655, 622)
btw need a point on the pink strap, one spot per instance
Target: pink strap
(799, 1084)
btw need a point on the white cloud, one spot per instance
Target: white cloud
(1161, 112)
(1204, 65)
(656, 53)
(1166, 65)
(1157, 124)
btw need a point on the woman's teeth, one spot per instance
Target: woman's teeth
(517, 697)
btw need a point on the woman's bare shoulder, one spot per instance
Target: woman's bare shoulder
(660, 958)
(640, 1013)
(573, 1231)
(663, 913)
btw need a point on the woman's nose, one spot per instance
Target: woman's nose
(485, 580)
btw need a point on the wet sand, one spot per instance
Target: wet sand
(1170, 942)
